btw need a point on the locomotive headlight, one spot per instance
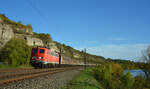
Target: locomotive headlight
(34, 58)
(40, 57)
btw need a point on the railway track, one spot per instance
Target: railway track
(17, 76)
(14, 70)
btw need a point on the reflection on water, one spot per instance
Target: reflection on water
(135, 72)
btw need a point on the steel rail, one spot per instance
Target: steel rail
(36, 75)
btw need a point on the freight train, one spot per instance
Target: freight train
(42, 57)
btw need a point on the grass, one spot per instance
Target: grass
(85, 80)
(2, 66)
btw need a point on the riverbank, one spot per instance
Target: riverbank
(108, 76)
(136, 72)
(85, 80)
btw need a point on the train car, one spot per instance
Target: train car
(44, 57)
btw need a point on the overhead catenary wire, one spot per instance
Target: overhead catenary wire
(33, 6)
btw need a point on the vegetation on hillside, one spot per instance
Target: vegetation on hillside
(127, 64)
(14, 24)
(46, 38)
(16, 53)
(79, 55)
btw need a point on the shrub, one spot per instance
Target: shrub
(117, 70)
(127, 81)
(111, 76)
(16, 52)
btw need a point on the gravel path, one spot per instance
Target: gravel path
(54, 81)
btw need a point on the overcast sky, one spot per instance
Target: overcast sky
(110, 28)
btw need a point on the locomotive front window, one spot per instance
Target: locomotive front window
(34, 51)
(41, 51)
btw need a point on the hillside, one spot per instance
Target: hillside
(78, 55)
(10, 29)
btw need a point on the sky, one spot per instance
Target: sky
(116, 29)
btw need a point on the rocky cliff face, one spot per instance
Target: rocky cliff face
(68, 60)
(31, 41)
(18, 30)
(6, 33)
(53, 46)
(17, 27)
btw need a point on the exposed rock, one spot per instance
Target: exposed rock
(6, 33)
(34, 41)
(68, 60)
(76, 55)
(22, 30)
(10, 29)
(53, 46)
(31, 41)
(17, 27)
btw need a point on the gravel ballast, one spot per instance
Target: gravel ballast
(52, 81)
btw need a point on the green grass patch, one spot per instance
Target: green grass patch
(85, 80)
(3, 66)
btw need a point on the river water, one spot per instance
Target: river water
(135, 72)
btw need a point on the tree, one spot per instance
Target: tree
(146, 55)
(16, 52)
(146, 59)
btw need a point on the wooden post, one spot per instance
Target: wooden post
(85, 58)
(60, 56)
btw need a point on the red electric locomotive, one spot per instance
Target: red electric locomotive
(44, 57)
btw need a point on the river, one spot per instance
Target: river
(135, 72)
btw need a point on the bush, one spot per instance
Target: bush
(141, 83)
(117, 70)
(16, 52)
(127, 81)
(111, 76)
